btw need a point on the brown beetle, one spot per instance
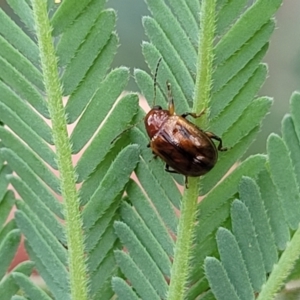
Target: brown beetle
(184, 147)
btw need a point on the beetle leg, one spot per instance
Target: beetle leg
(186, 183)
(167, 169)
(170, 99)
(215, 137)
(194, 115)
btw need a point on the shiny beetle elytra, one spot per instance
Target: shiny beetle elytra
(184, 147)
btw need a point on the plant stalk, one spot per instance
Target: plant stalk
(77, 267)
(180, 267)
(282, 269)
(182, 256)
(205, 60)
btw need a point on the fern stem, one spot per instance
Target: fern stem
(205, 59)
(77, 268)
(282, 269)
(179, 272)
(180, 268)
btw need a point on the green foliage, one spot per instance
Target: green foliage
(10, 237)
(261, 222)
(84, 57)
(112, 235)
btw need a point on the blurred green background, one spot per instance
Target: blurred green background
(283, 57)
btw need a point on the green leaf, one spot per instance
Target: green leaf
(251, 117)
(95, 208)
(22, 64)
(234, 114)
(138, 280)
(55, 243)
(226, 160)
(152, 56)
(236, 63)
(80, 48)
(101, 250)
(11, 119)
(258, 14)
(23, 170)
(6, 204)
(26, 114)
(8, 249)
(295, 103)
(18, 39)
(8, 286)
(284, 180)
(186, 18)
(66, 14)
(80, 97)
(153, 170)
(87, 53)
(145, 213)
(8, 227)
(16, 81)
(141, 258)
(174, 40)
(73, 36)
(139, 228)
(100, 282)
(292, 142)
(90, 185)
(150, 217)
(23, 10)
(250, 167)
(230, 92)
(243, 229)
(30, 289)
(279, 225)
(120, 117)
(34, 163)
(220, 283)
(97, 231)
(234, 264)
(250, 195)
(42, 251)
(56, 289)
(228, 14)
(123, 290)
(16, 297)
(4, 171)
(97, 110)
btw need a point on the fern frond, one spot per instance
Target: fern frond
(85, 44)
(10, 237)
(234, 112)
(260, 245)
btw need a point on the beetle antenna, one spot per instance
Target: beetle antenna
(155, 82)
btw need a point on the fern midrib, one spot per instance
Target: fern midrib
(186, 228)
(78, 281)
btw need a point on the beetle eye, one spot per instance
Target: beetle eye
(157, 107)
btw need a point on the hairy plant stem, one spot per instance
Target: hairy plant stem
(205, 60)
(179, 272)
(182, 256)
(77, 268)
(282, 269)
